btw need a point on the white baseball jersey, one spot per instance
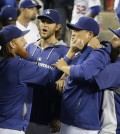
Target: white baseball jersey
(33, 35)
(82, 8)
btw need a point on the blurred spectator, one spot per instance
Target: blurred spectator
(8, 15)
(28, 12)
(90, 8)
(8, 2)
(109, 5)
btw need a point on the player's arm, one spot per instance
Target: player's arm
(109, 77)
(94, 11)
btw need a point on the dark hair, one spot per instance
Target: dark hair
(58, 33)
(6, 51)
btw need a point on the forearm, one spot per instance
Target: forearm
(66, 70)
(70, 54)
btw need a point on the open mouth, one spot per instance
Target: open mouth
(44, 30)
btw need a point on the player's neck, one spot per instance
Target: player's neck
(47, 42)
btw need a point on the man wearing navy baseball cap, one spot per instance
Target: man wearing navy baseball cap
(51, 14)
(28, 4)
(81, 99)
(45, 115)
(109, 78)
(28, 13)
(85, 23)
(17, 78)
(8, 15)
(9, 34)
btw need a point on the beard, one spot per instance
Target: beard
(33, 18)
(47, 36)
(114, 54)
(23, 53)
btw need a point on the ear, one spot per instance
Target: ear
(12, 45)
(90, 35)
(57, 27)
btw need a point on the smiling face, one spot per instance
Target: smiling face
(47, 28)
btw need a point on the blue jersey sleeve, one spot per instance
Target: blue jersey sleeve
(30, 73)
(95, 10)
(109, 77)
(94, 63)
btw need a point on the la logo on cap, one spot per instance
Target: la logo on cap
(48, 12)
(10, 18)
(33, 1)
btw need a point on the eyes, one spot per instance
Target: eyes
(32, 9)
(48, 21)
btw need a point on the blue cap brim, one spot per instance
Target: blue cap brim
(45, 16)
(73, 26)
(23, 33)
(115, 32)
(37, 6)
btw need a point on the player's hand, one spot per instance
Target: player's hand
(55, 126)
(76, 45)
(60, 64)
(60, 84)
(94, 43)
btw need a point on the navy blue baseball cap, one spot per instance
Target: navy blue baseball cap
(28, 4)
(8, 12)
(85, 23)
(116, 32)
(10, 32)
(51, 14)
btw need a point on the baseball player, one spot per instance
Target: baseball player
(81, 101)
(28, 12)
(17, 78)
(51, 48)
(109, 79)
(8, 15)
(90, 8)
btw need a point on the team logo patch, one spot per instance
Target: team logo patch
(39, 59)
(48, 11)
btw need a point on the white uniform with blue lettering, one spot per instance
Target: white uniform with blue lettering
(82, 8)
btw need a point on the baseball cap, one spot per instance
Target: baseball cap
(51, 14)
(10, 32)
(85, 23)
(28, 4)
(8, 12)
(116, 32)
